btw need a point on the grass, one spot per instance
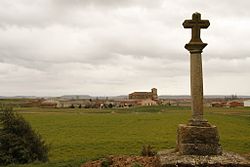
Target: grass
(78, 135)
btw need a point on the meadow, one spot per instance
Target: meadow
(78, 135)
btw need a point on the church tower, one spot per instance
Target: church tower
(154, 94)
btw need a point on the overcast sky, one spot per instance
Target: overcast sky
(115, 47)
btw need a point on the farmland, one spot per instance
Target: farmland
(78, 135)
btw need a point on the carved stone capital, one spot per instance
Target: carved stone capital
(195, 47)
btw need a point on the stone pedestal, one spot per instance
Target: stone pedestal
(171, 158)
(198, 140)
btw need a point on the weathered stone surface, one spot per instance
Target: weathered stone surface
(171, 158)
(124, 161)
(195, 47)
(198, 137)
(196, 85)
(203, 123)
(198, 140)
(197, 134)
(196, 24)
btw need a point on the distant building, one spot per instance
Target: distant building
(247, 103)
(50, 103)
(144, 95)
(234, 103)
(218, 104)
(147, 102)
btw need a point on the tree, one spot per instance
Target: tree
(72, 106)
(18, 142)
(110, 105)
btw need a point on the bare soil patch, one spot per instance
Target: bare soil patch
(125, 161)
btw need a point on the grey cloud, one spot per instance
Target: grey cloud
(95, 47)
(71, 46)
(108, 3)
(227, 66)
(42, 13)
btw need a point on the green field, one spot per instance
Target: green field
(77, 135)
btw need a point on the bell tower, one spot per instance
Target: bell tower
(154, 94)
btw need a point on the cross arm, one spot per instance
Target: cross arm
(204, 24)
(188, 24)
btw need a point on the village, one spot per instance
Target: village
(150, 98)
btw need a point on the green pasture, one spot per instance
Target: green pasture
(78, 135)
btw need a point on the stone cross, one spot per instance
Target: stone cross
(195, 47)
(198, 137)
(196, 24)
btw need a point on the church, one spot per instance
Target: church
(144, 95)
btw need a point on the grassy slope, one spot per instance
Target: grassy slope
(79, 135)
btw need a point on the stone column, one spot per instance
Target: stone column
(197, 137)
(196, 85)
(196, 82)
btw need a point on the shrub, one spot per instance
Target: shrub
(18, 142)
(106, 162)
(148, 151)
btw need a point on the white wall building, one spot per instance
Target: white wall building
(247, 103)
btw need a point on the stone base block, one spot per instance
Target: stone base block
(171, 158)
(198, 140)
